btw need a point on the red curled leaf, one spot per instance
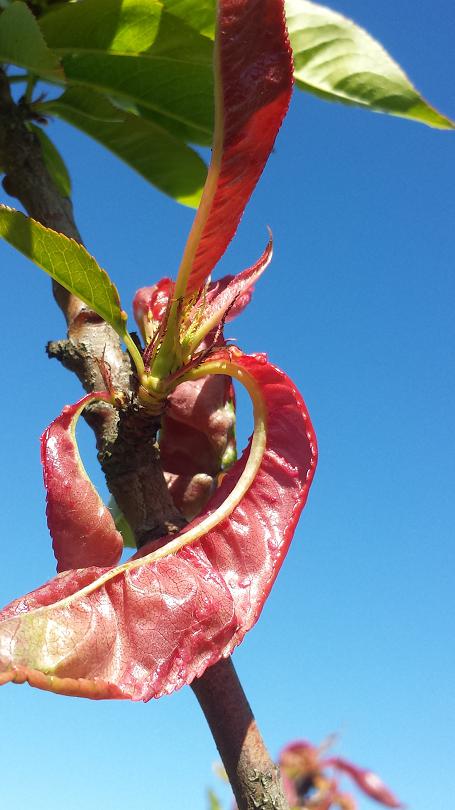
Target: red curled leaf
(82, 528)
(253, 74)
(190, 493)
(197, 440)
(151, 625)
(150, 305)
(227, 298)
(368, 781)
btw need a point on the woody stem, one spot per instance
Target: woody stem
(254, 778)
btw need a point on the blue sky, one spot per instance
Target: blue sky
(357, 307)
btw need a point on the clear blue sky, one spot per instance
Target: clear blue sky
(358, 308)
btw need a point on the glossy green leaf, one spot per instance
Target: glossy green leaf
(169, 73)
(66, 261)
(122, 26)
(179, 40)
(22, 43)
(164, 161)
(176, 88)
(54, 162)
(199, 15)
(183, 132)
(339, 61)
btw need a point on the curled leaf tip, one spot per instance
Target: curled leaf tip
(82, 528)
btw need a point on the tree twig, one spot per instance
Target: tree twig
(254, 778)
(125, 438)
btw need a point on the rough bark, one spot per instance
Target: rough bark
(126, 437)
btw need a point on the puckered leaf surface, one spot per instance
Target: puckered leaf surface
(66, 261)
(82, 528)
(197, 440)
(339, 61)
(151, 625)
(253, 71)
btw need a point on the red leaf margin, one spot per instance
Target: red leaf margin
(148, 627)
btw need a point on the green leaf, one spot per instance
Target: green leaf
(339, 61)
(169, 164)
(22, 43)
(123, 26)
(67, 262)
(176, 88)
(199, 15)
(170, 74)
(214, 802)
(121, 523)
(183, 132)
(54, 162)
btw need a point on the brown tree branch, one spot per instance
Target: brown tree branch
(126, 437)
(254, 778)
(126, 441)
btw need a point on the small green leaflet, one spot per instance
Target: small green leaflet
(54, 162)
(22, 43)
(337, 60)
(67, 262)
(158, 156)
(107, 25)
(214, 802)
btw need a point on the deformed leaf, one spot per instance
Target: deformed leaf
(339, 61)
(82, 528)
(66, 261)
(129, 26)
(164, 161)
(22, 43)
(226, 298)
(54, 162)
(151, 625)
(253, 73)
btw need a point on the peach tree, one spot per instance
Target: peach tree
(149, 79)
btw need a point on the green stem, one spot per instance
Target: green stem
(31, 81)
(135, 353)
